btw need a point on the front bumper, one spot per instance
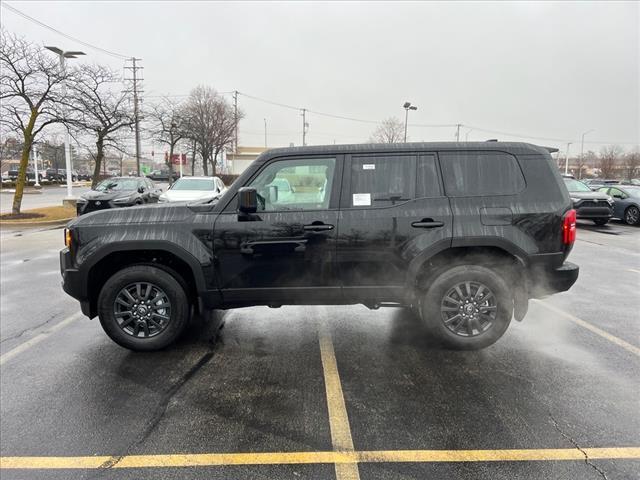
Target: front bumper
(591, 209)
(544, 282)
(72, 283)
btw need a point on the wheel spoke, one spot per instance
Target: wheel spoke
(146, 329)
(139, 290)
(147, 292)
(459, 292)
(478, 292)
(475, 325)
(126, 322)
(136, 329)
(163, 317)
(452, 300)
(128, 295)
(154, 323)
(449, 309)
(450, 320)
(487, 308)
(468, 287)
(123, 303)
(122, 314)
(161, 305)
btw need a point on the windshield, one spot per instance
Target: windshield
(576, 185)
(282, 184)
(117, 184)
(200, 184)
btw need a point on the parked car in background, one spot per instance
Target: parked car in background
(118, 192)
(84, 176)
(626, 200)
(12, 175)
(191, 189)
(163, 175)
(589, 205)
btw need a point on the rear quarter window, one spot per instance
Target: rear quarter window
(481, 174)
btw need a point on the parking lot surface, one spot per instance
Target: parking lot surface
(323, 392)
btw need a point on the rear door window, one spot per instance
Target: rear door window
(428, 180)
(380, 181)
(480, 174)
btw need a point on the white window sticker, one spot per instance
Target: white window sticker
(361, 199)
(368, 166)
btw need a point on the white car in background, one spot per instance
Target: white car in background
(192, 189)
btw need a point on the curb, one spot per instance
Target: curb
(26, 223)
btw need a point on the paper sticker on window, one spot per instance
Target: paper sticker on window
(361, 199)
(368, 166)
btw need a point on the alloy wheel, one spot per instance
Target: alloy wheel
(142, 309)
(469, 309)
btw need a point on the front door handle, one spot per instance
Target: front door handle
(427, 223)
(317, 227)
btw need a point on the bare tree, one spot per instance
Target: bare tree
(210, 123)
(609, 158)
(390, 131)
(631, 163)
(30, 96)
(168, 126)
(100, 109)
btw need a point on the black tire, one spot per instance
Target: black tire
(501, 303)
(164, 282)
(632, 215)
(600, 221)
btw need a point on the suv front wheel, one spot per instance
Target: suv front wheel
(467, 307)
(143, 308)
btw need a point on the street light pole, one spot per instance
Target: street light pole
(407, 106)
(566, 162)
(582, 151)
(62, 55)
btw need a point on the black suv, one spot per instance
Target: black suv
(464, 234)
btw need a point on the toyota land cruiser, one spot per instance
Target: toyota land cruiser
(464, 234)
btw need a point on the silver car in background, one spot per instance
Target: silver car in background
(192, 189)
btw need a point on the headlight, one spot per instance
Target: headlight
(163, 198)
(128, 199)
(610, 200)
(81, 200)
(574, 200)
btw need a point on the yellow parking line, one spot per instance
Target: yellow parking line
(299, 458)
(38, 338)
(341, 439)
(612, 338)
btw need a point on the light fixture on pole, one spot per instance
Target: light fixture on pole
(62, 55)
(582, 151)
(407, 106)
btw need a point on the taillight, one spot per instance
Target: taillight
(67, 237)
(569, 227)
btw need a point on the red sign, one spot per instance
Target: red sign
(176, 158)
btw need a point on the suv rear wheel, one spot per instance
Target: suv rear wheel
(468, 307)
(632, 215)
(143, 308)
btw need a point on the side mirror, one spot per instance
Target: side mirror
(618, 197)
(247, 200)
(141, 189)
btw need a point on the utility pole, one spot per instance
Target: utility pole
(235, 119)
(305, 125)
(458, 125)
(566, 163)
(136, 107)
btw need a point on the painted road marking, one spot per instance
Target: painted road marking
(633, 270)
(5, 357)
(612, 338)
(341, 438)
(338, 458)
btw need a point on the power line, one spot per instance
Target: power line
(48, 27)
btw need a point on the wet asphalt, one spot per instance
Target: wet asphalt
(257, 384)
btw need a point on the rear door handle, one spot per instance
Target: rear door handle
(317, 227)
(427, 223)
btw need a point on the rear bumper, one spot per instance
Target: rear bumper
(543, 282)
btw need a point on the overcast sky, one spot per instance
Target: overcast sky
(548, 70)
